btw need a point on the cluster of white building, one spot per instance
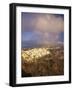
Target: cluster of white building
(35, 53)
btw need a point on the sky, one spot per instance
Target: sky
(41, 29)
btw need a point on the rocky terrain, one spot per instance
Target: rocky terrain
(42, 61)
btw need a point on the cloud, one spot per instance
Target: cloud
(46, 26)
(49, 23)
(42, 22)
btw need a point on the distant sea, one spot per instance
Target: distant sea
(37, 45)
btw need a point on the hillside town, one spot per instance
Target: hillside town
(42, 61)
